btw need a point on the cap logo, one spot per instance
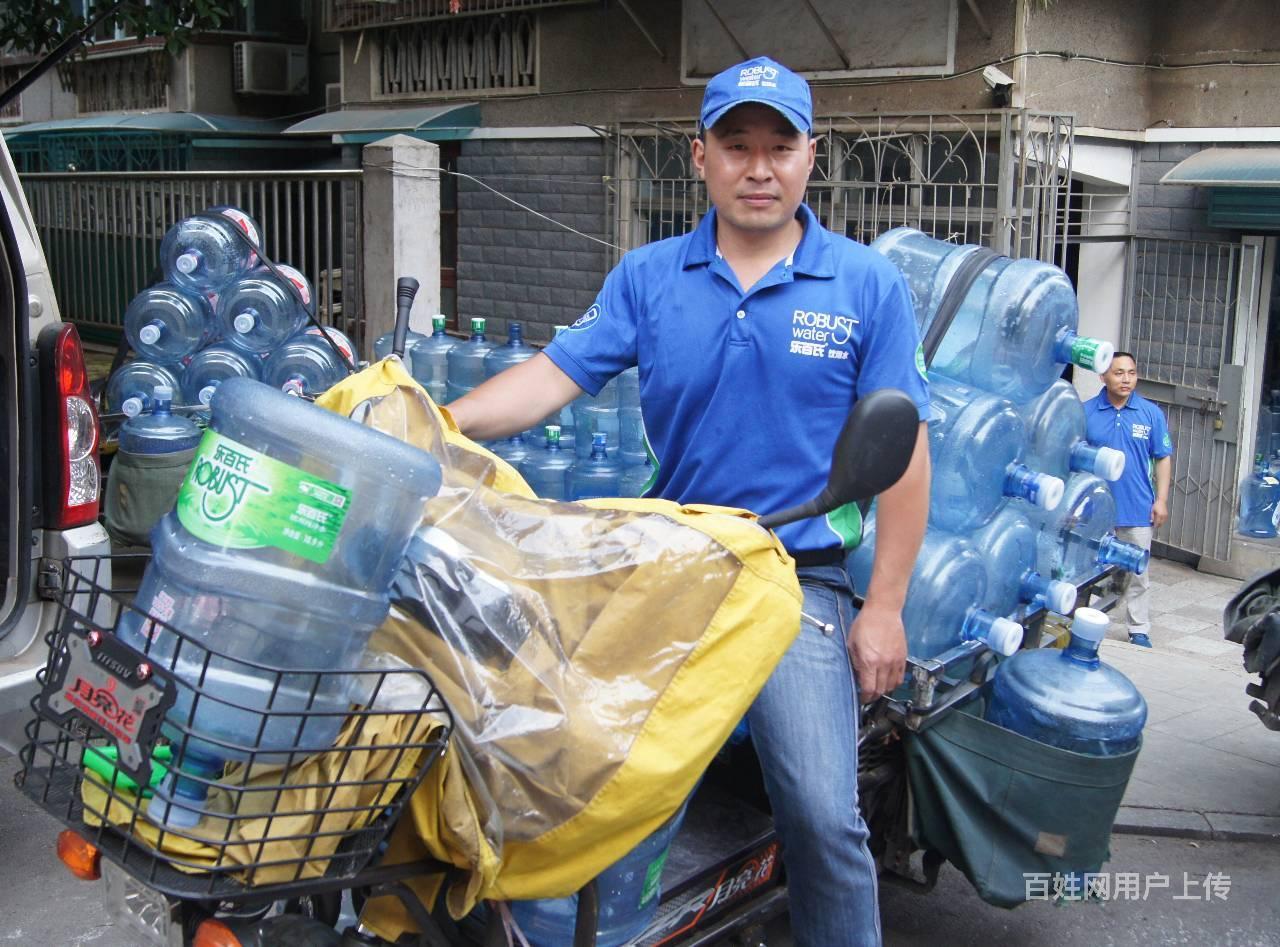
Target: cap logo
(755, 76)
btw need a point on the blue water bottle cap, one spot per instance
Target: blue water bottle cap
(1090, 625)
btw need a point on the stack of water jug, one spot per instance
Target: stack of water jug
(1020, 512)
(594, 447)
(220, 313)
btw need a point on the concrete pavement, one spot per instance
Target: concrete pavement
(1208, 768)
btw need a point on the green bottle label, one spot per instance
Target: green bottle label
(237, 498)
(1084, 352)
(653, 878)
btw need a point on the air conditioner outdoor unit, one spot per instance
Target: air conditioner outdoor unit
(270, 68)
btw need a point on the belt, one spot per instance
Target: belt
(818, 557)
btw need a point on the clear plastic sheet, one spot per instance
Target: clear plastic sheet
(551, 629)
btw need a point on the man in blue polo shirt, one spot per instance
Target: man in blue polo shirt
(1121, 418)
(755, 335)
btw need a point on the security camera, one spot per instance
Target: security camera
(995, 79)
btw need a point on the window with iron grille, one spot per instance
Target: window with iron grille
(467, 56)
(8, 76)
(361, 14)
(135, 80)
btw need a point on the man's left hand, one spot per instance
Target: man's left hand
(1159, 514)
(878, 644)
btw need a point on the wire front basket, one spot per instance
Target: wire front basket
(207, 776)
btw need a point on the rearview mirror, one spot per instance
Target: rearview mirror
(871, 454)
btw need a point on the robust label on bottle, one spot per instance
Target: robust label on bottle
(244, 222)
(653, 878)
(238, 498)
(298, 280)
(1084, 351)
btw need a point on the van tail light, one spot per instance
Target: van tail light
(81, 858)
(71, 422)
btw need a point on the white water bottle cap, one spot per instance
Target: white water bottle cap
(162, 393)
(1090, 624)
(132, 407)
(1060, 597)
(1109, 463)
(1005, 636)
(1049, 492)
(187, 262)
(206, 393)
(150, 333)
(244, 322)
(1102, 356)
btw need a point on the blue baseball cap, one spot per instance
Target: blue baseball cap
(759, 80)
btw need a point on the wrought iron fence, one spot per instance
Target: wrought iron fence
(997, 178)
(362, 14)
(102, 233)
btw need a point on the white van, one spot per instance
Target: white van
(50, 480)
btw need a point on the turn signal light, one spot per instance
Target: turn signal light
(82, 859)
(213, 933)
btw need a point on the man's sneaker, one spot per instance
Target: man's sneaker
(1141, 640)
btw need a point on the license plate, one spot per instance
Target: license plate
(146, 913)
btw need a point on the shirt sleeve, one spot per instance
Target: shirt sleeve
(602, 342)
(1161, 442)
(892, 355)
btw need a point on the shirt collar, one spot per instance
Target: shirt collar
(812, 256)
(1104, 403)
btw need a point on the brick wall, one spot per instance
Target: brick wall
(513, 265)
(1171, 210)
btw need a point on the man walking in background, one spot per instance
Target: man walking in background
(1121, 418)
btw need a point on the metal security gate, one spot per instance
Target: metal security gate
(1185, 300)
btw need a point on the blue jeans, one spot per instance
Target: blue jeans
(804, 726)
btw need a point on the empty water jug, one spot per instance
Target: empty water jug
(307, 364)
(155, 449)
(628, 894)
(514, 450)
(466, 362)
(430, 361)
(212, 366)
(597, 475)
(975, 443)
(636, 479)
(1078, 538)
(1014, 332)
(277, 561)
(546, 470)
(131, 386)
(382, 345)
(597, 414)
(1069, 698)
(1008, 548)
(166, 323)
(1260, 503)
(944, 595)
(259, 312)
(1056, 443)
(204, 253)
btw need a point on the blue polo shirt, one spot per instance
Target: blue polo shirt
(1140, 431)
(744, 393)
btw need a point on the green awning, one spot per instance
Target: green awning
(1228, 167)
(360, 126)
(180, 123)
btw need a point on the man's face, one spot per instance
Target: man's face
(756, 166)
(1121, 378)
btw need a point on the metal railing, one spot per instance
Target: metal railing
(362, 14)
(472, 55)
(998, 178)
(102, 232)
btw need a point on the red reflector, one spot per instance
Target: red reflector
(81, 858)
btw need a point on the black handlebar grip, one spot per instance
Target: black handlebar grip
(406, 290)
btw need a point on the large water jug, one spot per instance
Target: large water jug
(1078, 538)
(1260, 503)
(514, 351)
(628, 893)
(307, 364)
(166, 323)
(159, 431)
(1008, 548)
(212, 366)
(975, 443)
(563, 418)
(204, 254)
(514, 450)
(131, 387)
(597, 415)
(430, 361)
(259, 312)
(636, 479)
(633, 447)
(279, 556)
(598, 475)
(1014, 332)
(1069, 698)
(1056, 442)
(466, 362)
(382, 345)
(944, 595)
(546, 470)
